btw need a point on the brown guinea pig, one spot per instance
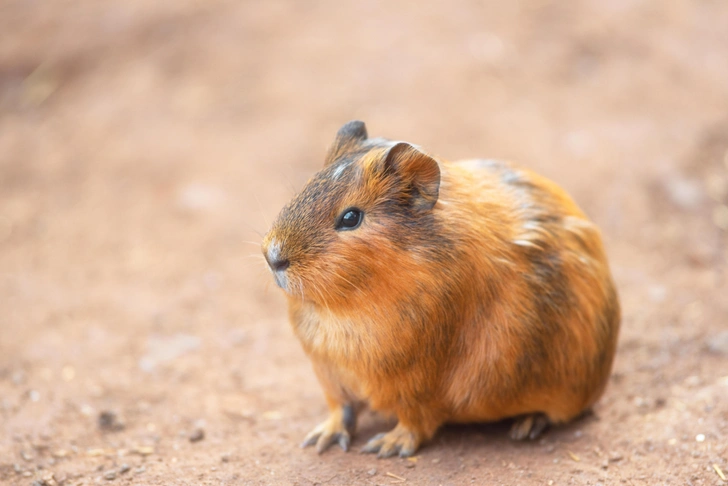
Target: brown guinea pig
(442, 292)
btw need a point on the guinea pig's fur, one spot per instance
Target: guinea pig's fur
(469, 292)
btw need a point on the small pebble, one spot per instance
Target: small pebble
(615, 457)
(49, 479)
(197, 435)
(372, 471)
(124, 468)
(140, 470)
(436, 461)
(110, 476)
(409, 465)
(225, 458)
(18, 378)
(700, 438)
(17, 468)
(109, 420)
(26, 456)
(684, 193)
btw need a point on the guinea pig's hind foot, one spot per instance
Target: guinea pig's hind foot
(529, 426)
(400, 440)
(339, 428)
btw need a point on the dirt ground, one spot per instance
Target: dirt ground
(145, 147)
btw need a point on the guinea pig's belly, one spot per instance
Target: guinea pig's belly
(479, 414)
(491, 411)
(558, 402)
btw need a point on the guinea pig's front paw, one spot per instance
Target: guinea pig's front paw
(400, 440)
(339, 427)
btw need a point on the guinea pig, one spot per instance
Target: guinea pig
(442, 292)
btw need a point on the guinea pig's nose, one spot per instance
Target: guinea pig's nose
(279, 265)
(276, 261)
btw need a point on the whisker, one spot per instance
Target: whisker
(253, 255)
(250, 264)
(350, 283)
(287, 174)
(260, 208)
(251, 228)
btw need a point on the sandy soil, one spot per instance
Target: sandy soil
(145, 146)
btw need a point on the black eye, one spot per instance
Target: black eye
(350, 219)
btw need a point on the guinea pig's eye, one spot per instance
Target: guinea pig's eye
(350, 219)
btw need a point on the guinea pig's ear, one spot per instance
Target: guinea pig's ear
(347, 138)
(418, 169)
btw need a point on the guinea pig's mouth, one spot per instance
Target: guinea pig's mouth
(290, 284)
(278, 263)
(281, 279)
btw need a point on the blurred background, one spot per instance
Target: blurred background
(145, 147)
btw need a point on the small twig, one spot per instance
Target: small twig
(401, 479)
(573, 456)
(720, 473)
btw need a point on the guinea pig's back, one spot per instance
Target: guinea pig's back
(552, 330)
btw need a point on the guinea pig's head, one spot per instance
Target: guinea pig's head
(356, 221)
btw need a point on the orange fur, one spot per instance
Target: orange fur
(495, 302)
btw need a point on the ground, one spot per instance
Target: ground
(146, 146)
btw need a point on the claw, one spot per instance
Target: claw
(374, 444)
(344, 442)
(399, 441)
(529, 427)
(313, 436)
(337, 429)
(388, 450)
(327, 439)
(309, 441)
(407, 451)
